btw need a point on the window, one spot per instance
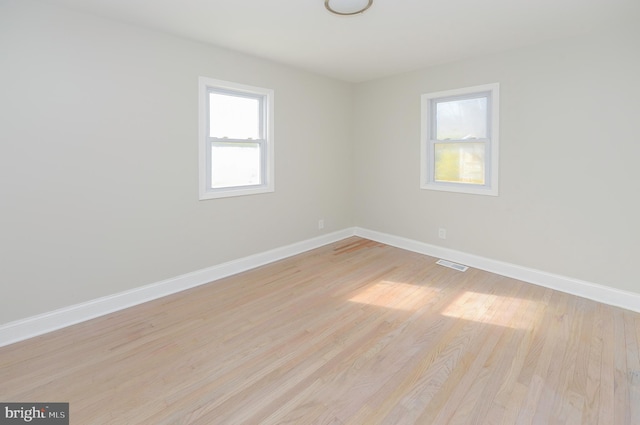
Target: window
(459, 146)
(236, 139)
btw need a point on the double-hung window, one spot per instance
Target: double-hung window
(459, 146)
(236, 139)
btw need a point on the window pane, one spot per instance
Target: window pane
(235, 117)
(461, 119)
(235, 164)
(459, 162)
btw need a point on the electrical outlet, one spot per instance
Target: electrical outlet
(442, 233)
(321, 224)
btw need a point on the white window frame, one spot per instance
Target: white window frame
(207, 85)
(428, 140)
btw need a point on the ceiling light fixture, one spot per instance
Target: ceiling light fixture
(347, 7)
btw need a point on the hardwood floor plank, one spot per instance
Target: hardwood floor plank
(592, 407)
(578, 383)
(561, 366)
(549, 339)
(632, 344)
(530, 326)
(607, 371)
(621, 392)
(499, 366)
(565, 403)
(515, 404)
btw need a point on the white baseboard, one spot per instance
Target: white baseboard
(67, 316)
(604, 294)
(58, 319)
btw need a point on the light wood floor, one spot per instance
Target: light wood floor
(351, 333)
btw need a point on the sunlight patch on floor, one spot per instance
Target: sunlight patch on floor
(493, 309)
(395, 295)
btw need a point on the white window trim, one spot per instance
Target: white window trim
(205, 190)
(426, 155)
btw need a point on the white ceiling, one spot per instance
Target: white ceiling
(393, 36)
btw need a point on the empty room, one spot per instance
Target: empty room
(319, 212)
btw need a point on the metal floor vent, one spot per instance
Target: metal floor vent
(451, 265)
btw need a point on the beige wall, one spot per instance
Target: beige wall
(569, 160)
(99, 154)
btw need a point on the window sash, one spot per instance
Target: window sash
(262, 112)
(487, 163)
(433, 110)
(224, 142)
